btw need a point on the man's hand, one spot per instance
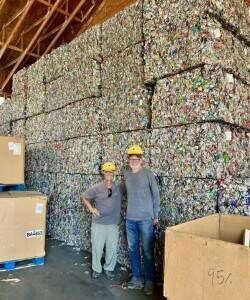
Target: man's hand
(155, 221)
(95, 212)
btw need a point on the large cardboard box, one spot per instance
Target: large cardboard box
(205, 259)
(11, 160)
(22, 225)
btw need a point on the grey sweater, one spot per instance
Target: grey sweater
(143, 195)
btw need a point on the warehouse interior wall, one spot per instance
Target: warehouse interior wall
(171, 76)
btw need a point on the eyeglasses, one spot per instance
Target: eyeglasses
(109, 193)
(134, 159)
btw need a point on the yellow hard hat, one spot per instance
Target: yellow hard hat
(108, 166)
(135, 150)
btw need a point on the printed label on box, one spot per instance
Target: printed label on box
(34, 233)
(15, 147)
(39, 208)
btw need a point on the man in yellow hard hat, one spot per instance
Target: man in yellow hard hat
(103, 200)
(142, 214)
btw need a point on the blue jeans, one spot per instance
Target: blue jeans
(141, 231)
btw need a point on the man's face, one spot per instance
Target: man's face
(108, 175)
(135, 162)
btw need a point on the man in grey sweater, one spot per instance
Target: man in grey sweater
(142, 215)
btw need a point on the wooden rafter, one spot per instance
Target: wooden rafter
(34, 25)
(11, 63)
(12, 47)
(60, 10)
(65, 24)
(51, 32)
(2, 3)
(86, 25)
(33, 40)
(16, 28)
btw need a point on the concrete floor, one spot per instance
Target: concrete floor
(65, 276)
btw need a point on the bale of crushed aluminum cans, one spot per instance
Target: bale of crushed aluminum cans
(79, 155)
(123, 71)
(202, 94)
(88, 44)
(64, 58)
(185, 199)
(77, 119)
(80, 83)
(5, 112)
(162, 16)
(35, 128)
(19, 83)
(180, 36)
(5, 129)
(234, 195)
(64, 207)
(36, 157)
(200, 150)
(123, 30)
(127, 99)
(16, 106)
(127, 113)
(44, 183)
(115, 146)
(233, 14)
(36, 88)
(18, 128)
(182, 200)
(56, 63)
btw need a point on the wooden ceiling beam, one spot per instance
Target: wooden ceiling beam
(16, 28)
(11, 63)
(33, 40)
(87, 24)
(65, 24)
(48, 34)
(61, 11)
(12, 47)
(2, 2)
(33, 25)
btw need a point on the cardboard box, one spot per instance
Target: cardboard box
(11, 160)
(22, 225)
(205, 259)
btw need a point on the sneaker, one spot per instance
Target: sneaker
(148, 288)
(110, 274)
(135, 284)
(96, 275)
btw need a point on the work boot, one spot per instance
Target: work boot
(135, 284)
(148, 288)
(110, 274)
(95, 275)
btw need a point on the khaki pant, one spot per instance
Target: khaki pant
(104, 235)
